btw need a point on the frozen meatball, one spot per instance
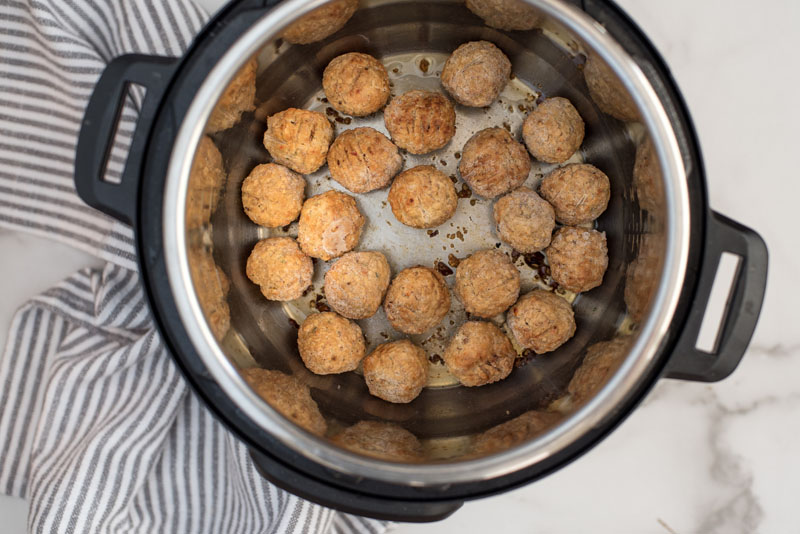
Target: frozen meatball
(487, 283)
(396, 371)
(647, 178)
(212, 286)
(492, 163)
(356, 84)
(363, 159)
(330, 344)
(290, 397)
(206, 182)
(601, 360)
(506, 14)
(238, 97)
(321, 23)
(475, 73)
(578, 258)
(514, 432)
(479, 354)
(330, 225)
(356, 284)
(417, 300)
(299, 139)
(607, 91)
(280, 268)
(578, 192)
(386, 441)
(643, 275)
(524, 220)
(272, 195)
(553, 131)
(420, 121)
(541, 321)
(423, 197)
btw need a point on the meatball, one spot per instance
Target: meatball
(272, 195)
(330, 225)
(553, 131)
(601, 360)
(206, 180)
(356, 84)
(476, 73)
(356, 284)
(479, 354)
(643, 275)
(506, 14)
(299, 139)
(647, 178)
(607, 91)
(363, 159)
(420, 121)
(423, 197)
(386, 441)
(321, 23)
(396, 371)
(492, 163)
(280, 268)
(238, 97)
(578, 192)
(541, 320)
(578, 258)
(417, 300)
(514, 432)
(524, 220)
(287, 395)
(212, 287)
(487, 283)
(330, 344)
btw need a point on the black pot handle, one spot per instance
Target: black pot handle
(99, 125)
(351, 502)
(743, 307)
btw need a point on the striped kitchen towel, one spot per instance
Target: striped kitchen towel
(98, 430)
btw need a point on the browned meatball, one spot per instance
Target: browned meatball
(420, 121)
(578, 258)
(553, 131)
(476, 73)
(238, 97)
(601, 360)
(479, 354)
(417, 300)
(272, 195)
(541, 320)
(524, 220)
(330, 225)
(487, 283)
(396, 371)
(356, 283)
(506, 14)
(607, 91)
(647, 178)
(212, 287)
(423, 197)
(643, 275)
(290, 397)
(356, 84)
(363, 159)
(321, 23)
(386, 441)
(514, 432)
(330, 344)
(280, 268)
(206, 180)
(299, 139)
(492, 163)
(579, 193)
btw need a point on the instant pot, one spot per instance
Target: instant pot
(193, 239)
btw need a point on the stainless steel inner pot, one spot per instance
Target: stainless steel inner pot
(647, 231)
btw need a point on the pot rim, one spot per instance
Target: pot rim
(642, 354)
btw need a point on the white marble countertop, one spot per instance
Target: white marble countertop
(718, 458)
